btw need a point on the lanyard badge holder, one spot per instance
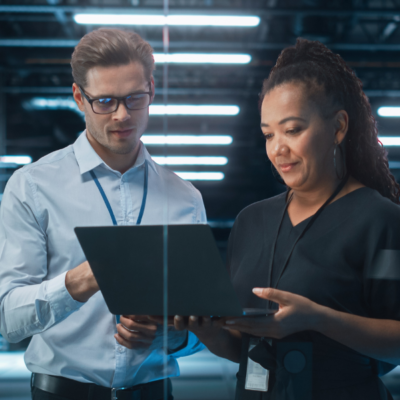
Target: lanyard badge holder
(256, 376)
(114, 221)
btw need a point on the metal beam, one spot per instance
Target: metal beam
(231, 46)
(3, 137)
(50, 90)
(171, 91)
(265, 12)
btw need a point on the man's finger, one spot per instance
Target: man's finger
(134, 326)
(133, 334)
(179, 323)
(193, 322)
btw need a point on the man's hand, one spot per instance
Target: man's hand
(136, 331)
(81, 283)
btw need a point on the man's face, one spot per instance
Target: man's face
(118, 132)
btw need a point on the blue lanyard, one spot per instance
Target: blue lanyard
(107, 203)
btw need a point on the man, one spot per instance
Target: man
(47, 289)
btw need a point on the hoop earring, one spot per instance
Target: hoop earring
(343, 174)
(276, 175)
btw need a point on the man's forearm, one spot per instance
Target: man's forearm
(32, 309)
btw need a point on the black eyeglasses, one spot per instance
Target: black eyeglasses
(108, 105)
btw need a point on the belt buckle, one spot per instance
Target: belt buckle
(114, 394)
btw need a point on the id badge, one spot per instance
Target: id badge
(256, 376)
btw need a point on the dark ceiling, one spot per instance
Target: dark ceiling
(37, 39)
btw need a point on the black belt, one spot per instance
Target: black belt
(75, 390)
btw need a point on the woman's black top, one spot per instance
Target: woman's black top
(348, 260)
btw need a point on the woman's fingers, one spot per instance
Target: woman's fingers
(275, 295)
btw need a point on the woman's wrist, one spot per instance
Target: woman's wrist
(319, 318)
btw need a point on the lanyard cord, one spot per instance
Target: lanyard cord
(107, 203)
(308, 226)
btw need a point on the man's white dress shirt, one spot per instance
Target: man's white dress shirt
(42, 204)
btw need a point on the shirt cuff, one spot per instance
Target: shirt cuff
(61, 302)
(191, 345)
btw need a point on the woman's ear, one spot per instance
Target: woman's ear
(341, 125)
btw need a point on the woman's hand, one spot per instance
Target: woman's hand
(296, 313)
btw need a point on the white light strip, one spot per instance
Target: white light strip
(394, 164)
(190, 160)
(188, 140)
(68, 103)
(192, 58)
(389, 111)
(172, 20)
(390, 140)
(18, 160)
(177, 109)
(201, 176)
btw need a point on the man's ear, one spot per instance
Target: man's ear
(78, 97)
(341, 125)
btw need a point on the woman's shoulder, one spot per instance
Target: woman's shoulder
(380, 208)
(267, 206)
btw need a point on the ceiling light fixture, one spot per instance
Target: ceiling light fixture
(190, 160)
(198, 58)
(171, 20)
(201, 176)
(188, 140)
(389, 111)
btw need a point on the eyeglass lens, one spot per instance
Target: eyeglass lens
(133, 102)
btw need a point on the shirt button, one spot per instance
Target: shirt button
(120, 349)
(67, 309)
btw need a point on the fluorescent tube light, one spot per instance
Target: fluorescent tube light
(172, 20)
(195, 58)
(177, 109)
(394, 164)
(68, 103)
(389, 111)
(390, 140)
(201, 176)
(190, 160)
(188, 140)
(17, 160)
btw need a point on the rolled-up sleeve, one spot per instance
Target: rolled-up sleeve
(29, 304)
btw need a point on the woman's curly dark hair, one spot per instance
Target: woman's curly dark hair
(336, 87)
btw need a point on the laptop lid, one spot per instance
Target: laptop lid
(129, 263)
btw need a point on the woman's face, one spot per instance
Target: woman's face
(299, 141)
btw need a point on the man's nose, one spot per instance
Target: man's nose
(122, 113)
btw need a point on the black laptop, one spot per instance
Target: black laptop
(130, 264)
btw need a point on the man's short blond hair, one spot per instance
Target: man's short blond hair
(107, 47)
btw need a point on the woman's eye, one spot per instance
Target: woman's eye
(267, 136)
(293, 130)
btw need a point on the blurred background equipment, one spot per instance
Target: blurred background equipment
(220, 53)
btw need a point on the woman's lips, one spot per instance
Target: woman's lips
(287, 167)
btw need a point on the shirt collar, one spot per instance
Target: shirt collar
(88, 159)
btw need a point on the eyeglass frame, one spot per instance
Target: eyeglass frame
(119, 99)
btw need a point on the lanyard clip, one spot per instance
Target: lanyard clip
(114, 394)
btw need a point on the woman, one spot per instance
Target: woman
(324, 251)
